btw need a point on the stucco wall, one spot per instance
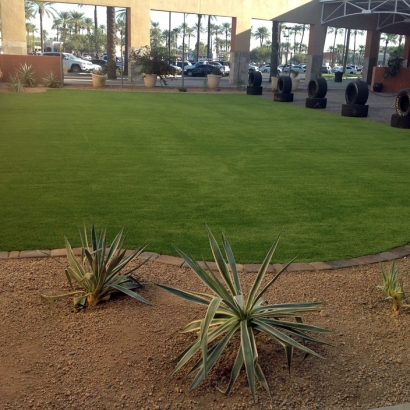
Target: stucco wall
(40, 64)
(391, 84)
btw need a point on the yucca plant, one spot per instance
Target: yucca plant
(98, 271)
(50, 80)
(230, 313)
(15, 84)
(26, 74)
(393, 288)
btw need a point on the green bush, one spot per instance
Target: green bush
(26, 74)
(50, 80)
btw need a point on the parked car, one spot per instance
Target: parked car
(178, 70)
(192, 66)
(101, 63)
(265, 68)
(117, 61)
(182, 64)
(73, 63)
(224, 69)
(252, 68)
(200, 70)
(349, 69)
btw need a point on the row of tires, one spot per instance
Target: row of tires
(357, 92)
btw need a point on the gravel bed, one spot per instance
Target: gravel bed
(117, 355)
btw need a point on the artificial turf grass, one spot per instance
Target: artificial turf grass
(164, 165)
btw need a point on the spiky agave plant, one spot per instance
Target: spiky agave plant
(50, 80)
(230, 313)
(98, 271)
(16, 84)
(26, 73)
(393, 288)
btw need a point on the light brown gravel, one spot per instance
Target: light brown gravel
(117, 355)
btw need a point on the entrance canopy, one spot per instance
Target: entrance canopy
(387, 15)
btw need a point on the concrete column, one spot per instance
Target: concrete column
(139, 33)
(406, 52)
(371, 54)
(13, 23)
(317, 39)
(240, 46)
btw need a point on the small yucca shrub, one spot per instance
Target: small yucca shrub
(98, 270)
(230, 313)
(26, 74)
(15, 84)
(393, 288)
(50, 80)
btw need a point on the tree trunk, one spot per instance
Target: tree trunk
(197, 36)
(111, 40)
(40, 13)
(95, 19)
(208, 52)
(126, 37)
(274, 57)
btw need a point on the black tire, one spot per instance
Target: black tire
(316, 102)
(403, 103)
(284, 84)
(355, 110)
(357, 92)
(283, 97)
(255, 79)
(377, 87)
(397, 121)
(189, 73)
(251, 90)
(75, 69)
(317, 88)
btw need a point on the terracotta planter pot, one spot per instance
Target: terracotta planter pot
(150, 80)
(213, 81)
(295, 83)
(274, 83)
(98, 80)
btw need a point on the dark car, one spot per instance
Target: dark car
(102, 63)
(200, 70)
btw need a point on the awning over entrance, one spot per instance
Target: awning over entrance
(389, 12)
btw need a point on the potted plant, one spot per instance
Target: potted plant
(214, 78)
(151, 63)
(295, 80)
(394, 65)
(99, 78)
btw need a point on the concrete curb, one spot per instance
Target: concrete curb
(387, 256)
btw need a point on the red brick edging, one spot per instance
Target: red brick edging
(393, 254)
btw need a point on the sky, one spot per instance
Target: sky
(176, 20)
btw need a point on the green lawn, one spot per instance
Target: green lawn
(163, 165)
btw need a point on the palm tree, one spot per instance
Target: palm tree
(77, 20)
(388, 38)
(305, 27)
(155, 34)
(215, 30)
(198, 28)
(296, 29)
(31, 29)
(41, 8)
(336, 31)
(175, 34)
(88, 23)
(189, 31)
(209, 48)
(261, 33)
(226, 29)
(122, 16)
(165, 36)
(111, 43)
(355, 33)
(275, 51)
